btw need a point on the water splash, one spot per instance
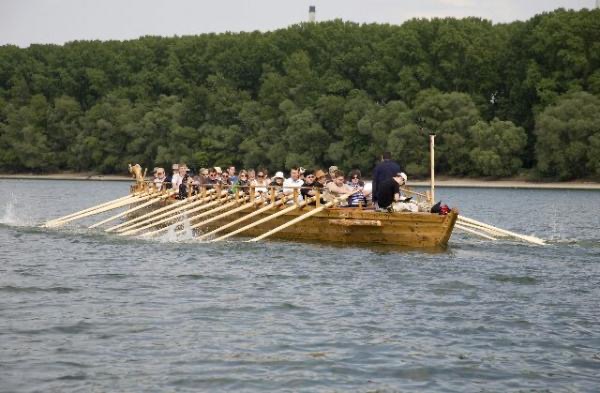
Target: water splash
(178, 232)
(13, 215)
(187, 233)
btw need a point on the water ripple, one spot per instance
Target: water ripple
(84, 310)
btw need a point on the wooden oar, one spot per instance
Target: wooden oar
(463, 228)
(302, 217)
(126, 212)
(479, 228)
(413, 192)
(89, 209)
(227, 213)
(121, 227)
(207, 213)
(168, 216)
(263, 220)
(117, 205)
(175, 207)
(530, 239)
(244, 218)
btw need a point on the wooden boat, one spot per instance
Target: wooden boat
(356, 226)
(343, 225)
(151, 209)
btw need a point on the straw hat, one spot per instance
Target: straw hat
(333, 168)
(279, 174)
(218, 169)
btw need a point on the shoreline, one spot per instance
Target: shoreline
(450, 183)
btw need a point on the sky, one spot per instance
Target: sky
(23, 22)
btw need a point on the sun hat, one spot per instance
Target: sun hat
(278, 174)
(175, 166)
(333, 168)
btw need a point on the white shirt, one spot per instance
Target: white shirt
(289, 184)
(176, 181)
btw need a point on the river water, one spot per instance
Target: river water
(82, 310)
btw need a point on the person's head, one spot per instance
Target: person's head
(401, 178)
(332, 170)
(251, 174)
(231, 170)
(320, 176)
(278, 177)
(203, 172)
(295, 173)
(182, 169)
(212, 173)
(338, 178)
(260, 175)
(355, 176)
(225, 175)
(160, 172)
(386, 155)
(309, 177)
(243, 175)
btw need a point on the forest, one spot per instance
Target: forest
(505, 100)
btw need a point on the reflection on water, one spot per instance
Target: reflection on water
(86, 310)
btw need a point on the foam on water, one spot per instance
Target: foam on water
(13, 215)
(176, 234)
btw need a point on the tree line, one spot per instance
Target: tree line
(504, 99)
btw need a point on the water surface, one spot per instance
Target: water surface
(82, 310)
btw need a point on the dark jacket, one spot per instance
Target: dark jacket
(386, 169)
(385, 194)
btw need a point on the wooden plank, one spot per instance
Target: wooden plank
(350, 223)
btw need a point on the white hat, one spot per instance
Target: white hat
(402, 175)
(278, 174)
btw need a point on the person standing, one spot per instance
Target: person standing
(385, 170)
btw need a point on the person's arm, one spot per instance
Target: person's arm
(333, 188)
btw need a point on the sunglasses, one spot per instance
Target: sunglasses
(260, 175)
(355, 177)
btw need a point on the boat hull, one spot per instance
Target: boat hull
(346, 226)
(354, 226)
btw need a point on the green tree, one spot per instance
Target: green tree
(449, 115)
(498, 146)
(567, 137)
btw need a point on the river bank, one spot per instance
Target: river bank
(442, 182)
